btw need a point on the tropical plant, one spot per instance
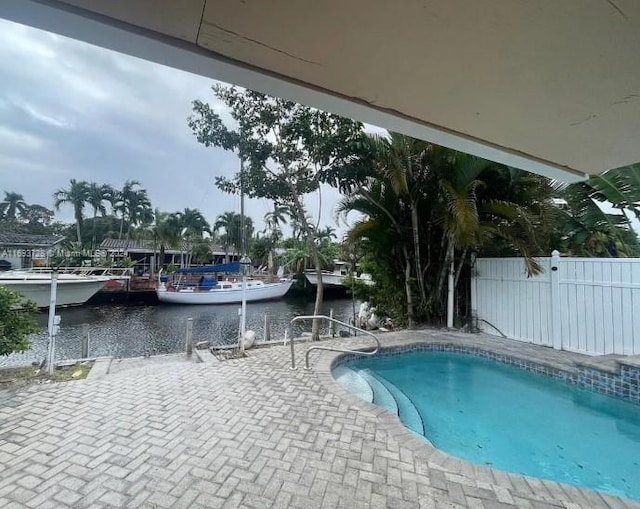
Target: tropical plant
(95, 230)
(97, 195)
(167, 232)
(12, 205)
(280, 215)
(126, 263)
(382, 230)
(404, 162)
(134, 207)
(36, 218)
(194, 223)
(585, 229)
(328, 233)
(201, 251)
(230, 223)
(76, 196)
(289, 150)
(274, 219)
(16, 321)
(426, 209)
(194, 226)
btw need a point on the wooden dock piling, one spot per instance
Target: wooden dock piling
(84, 342)
(189, 337)
(267, 328)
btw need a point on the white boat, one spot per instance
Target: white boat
(207, 289)
(72, 289)
(335, 278)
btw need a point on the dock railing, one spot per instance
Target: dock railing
(328, 348)
(116, 272)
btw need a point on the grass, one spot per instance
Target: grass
(31, 375)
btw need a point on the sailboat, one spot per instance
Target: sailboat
(204, 285)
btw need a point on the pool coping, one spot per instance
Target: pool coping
(326, 360)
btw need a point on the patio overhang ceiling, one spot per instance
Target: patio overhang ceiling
(550, 87)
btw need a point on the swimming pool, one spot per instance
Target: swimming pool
(501, 416)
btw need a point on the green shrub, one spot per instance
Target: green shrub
(16, 321)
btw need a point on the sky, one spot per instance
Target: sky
(72, 110)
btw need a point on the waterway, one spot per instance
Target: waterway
(130, 331)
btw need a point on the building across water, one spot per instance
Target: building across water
(23, 251)
(145, 254)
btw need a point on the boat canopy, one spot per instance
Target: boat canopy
(221, 267)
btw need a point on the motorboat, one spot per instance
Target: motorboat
(72, 289)
(206, 285)
(336, 277)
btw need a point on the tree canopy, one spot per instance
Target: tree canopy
(287, 150)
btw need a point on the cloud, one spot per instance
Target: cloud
(12, 138)
(72, 110)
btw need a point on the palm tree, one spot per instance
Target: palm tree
(76, 196)
(134, 207)
(140, 212)
(278, 216)
(326, 234)
(12, 205)
(438, 205)
(382, 227)
(121, 202)
(585, 228)
(231, 223)
(226, 222)
(194, 225)
(403, 161)
(96, 195)
(167, 231)
(273, 220)
(620, 187)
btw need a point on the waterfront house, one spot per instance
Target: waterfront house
(24, 250)
(144, 253)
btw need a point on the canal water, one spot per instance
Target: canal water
(120, 331)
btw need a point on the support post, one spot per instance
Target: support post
(84, 345)
(556, 312)
(243, 313)
(450, 295)
(51, 324)
(267, 328)
(189, 337)
(332, 324)
(474, 294)
(293, 353)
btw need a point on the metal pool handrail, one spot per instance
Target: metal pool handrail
(329, 348)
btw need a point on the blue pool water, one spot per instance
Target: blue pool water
(501, 416)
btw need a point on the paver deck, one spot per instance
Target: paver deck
(170, 432)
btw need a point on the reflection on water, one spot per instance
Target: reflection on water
(130, 331)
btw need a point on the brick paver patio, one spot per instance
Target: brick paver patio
(170, 432)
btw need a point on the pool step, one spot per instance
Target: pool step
(353, 382)
(376, 389)
(407, 411)
(381, 395)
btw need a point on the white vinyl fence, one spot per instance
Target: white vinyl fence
(588, 305)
